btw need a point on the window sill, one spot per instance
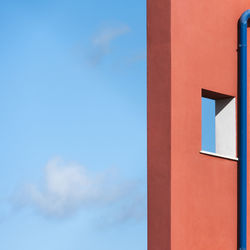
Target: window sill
(219, 156)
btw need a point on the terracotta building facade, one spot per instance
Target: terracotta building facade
(192, 193)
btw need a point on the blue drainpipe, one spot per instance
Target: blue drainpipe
(242, 136)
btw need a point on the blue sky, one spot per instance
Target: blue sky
(208, 125)
(73, 125)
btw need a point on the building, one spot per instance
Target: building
(192, 194)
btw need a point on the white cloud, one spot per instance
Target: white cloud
(68, 188)
(134, 209)
(105, 36)
(101, 42)
(142, 56)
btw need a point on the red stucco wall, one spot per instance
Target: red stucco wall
(192, 198)
(159, 125)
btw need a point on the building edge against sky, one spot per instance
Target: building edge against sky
(192, 52)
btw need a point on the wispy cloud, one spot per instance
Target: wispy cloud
(68, 188)
(142, 56)
(133, 209)
(101, 42)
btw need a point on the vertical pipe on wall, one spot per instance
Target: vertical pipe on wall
(242, 206)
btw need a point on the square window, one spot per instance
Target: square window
(218, 124)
